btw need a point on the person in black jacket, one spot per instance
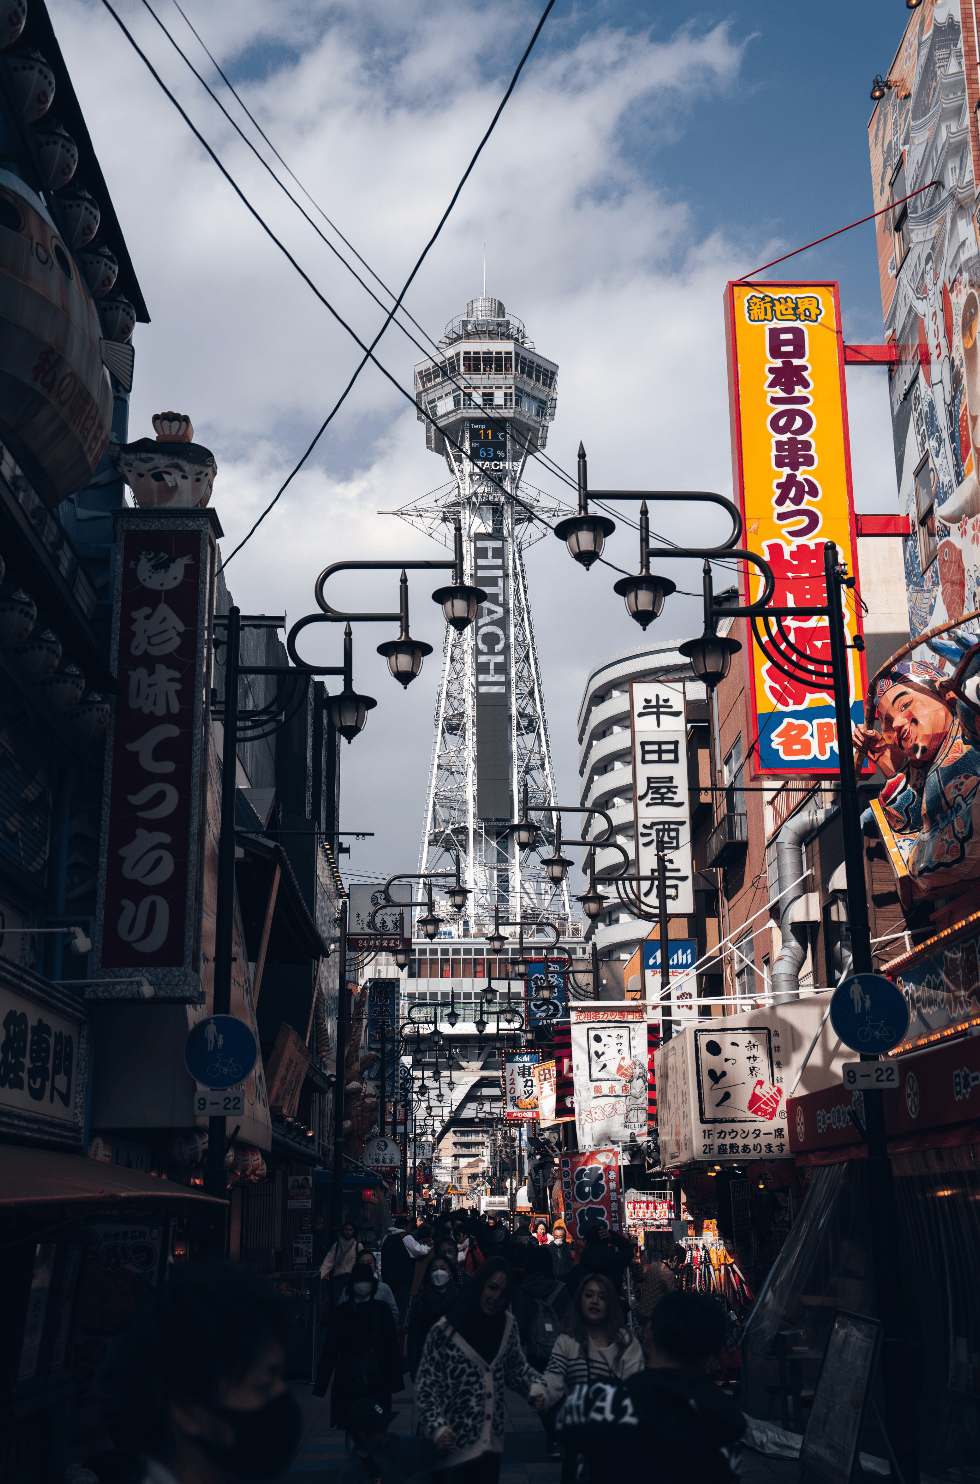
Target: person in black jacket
(541, 1307)
(362, 1336)
(669, 1423)
(398, 1264)
(438, 1291)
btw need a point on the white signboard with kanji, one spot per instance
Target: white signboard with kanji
(722, 1084)
(661, 801)
(609, 1068)
(382, 1154)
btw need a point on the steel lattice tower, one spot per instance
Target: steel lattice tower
(490, 391)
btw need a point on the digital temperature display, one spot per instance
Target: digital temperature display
(488, 445)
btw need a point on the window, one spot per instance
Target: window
(508, 399)
(744, 968)
(766, 977)
(900, 216)
(734, 781)
(508, 365)
(925, 515)
(488, 399)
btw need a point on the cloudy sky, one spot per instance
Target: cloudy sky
(649, 153)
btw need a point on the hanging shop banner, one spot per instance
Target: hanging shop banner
(609, 1065)
(661, 800)
(149, 914)
(545, 1072)
(382, 1031)
(791, 458)
(520, 1085)
(592, 1192)
(564, 1082)
(682, 955)
(547, 1011)
(382, 1154)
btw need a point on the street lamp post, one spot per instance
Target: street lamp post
(710, 657)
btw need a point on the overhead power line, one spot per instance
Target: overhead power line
(253, 211)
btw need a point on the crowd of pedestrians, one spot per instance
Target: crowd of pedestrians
(618, 1367)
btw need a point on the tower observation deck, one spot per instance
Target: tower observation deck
(491, 393)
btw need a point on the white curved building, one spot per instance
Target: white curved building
(606, 767)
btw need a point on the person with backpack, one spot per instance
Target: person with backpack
(668, 1422)
(541, 1309)
(362, 1344)
(595, 1346)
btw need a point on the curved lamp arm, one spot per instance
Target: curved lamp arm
(334, 615)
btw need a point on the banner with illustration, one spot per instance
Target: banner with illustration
(923, 732)
(609, 1069)
(591, 1193)
(546, 1009)
(929, 267)
(791, 458)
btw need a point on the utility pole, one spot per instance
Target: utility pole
(343, 997)
(882, 1214)
(215, 1180)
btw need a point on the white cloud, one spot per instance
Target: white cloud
(377, 106)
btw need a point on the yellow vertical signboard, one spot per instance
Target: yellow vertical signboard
(792, 469)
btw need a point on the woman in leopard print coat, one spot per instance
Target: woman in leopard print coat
(470, 1355)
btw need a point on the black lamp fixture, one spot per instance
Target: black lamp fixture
(402, 957)
(458, 893)
(404, 654)
(644, 594)
(592, 900)
(459, 601)
(524, 830)
(348, 711)
(496, 939)
(711, 654)
(452, 1016)
(881, 85)
(557, 865)
(518, 962)
(480, 1023)
(429, 922)
(585, 533)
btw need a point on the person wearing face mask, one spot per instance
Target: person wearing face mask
(438, 1292)
(384, 1294)
(339, 1260)
(199, 1379)
(470, 1356)
(362, 1337)
(560, 1251)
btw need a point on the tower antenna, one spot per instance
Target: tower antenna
(484, 270)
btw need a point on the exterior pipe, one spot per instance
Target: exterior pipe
(790, 868)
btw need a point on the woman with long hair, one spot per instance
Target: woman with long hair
(471, 1354)
(596, 1346)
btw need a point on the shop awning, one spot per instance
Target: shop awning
(41, 1180)
(292, 933)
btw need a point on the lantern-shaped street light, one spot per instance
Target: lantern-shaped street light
(525, 831)
(496, 940)
(348, 711)
(429, 922)
(557, 864)
(711, 654)
(459, 601)
(644, 594)
(404, 654)
(585, 533)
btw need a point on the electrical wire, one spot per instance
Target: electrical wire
(461, 385)
(368, 349)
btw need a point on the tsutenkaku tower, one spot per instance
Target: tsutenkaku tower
(490, 392)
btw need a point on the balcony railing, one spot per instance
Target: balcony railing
(728, 840)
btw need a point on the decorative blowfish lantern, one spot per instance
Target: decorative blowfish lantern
(173, 472)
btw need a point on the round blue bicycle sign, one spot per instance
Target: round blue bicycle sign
(220, 1051)
(869, 1013)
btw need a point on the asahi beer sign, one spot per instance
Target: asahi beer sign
(151, 852)
(661, 801)
(492, 639)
